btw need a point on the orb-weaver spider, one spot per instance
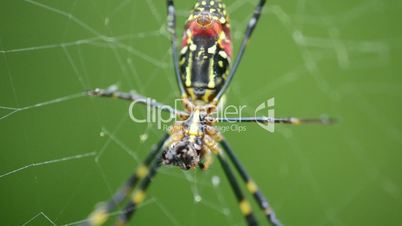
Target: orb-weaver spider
(203, 75)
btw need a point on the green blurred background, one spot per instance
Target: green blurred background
(337, 58)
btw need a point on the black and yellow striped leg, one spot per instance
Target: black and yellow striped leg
(245, 207)
(100, 215)
(251, 186)
(139, 195)
(249, 30)
(171, 22)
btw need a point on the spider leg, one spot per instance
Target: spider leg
(244, 204)
(139, 195)
(113, 92)
(100, 214)
(249, 30)
(171, 22)
(251, 185)
(290, 120)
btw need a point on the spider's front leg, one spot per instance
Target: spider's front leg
(244, 205)
(251, 186)
(211, 139)
(139, 195)
(100, 215)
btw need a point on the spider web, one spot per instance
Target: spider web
(63, 152)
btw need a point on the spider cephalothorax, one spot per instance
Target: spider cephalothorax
(184, 153)
(192, 138)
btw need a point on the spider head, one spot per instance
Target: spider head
(187, 137)
(184, 154)
(186, 149)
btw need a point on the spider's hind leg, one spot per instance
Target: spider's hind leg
(252, 24)
(171, 22)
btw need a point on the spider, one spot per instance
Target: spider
(203, 72)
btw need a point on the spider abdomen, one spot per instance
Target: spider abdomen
(206, 50)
